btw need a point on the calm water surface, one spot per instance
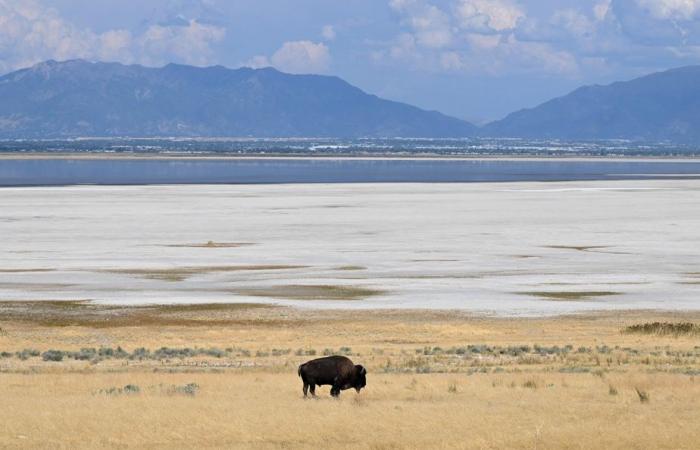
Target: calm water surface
(46, 172)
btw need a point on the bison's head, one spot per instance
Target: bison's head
(360, 377)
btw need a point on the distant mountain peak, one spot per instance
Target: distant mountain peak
(662, 106)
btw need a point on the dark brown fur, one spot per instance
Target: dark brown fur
(337, 371)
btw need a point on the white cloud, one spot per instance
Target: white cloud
(431, 26)
(451, 61)
(328, 32)
(574, 22)
(483, 15)
(648, 27)
(582, 36)
(483, 42)
(190, 43)
(475, 36)
(600, 10)
(31, 31)
(302, 57)
(295, 57)
(258, 62)
(672, 9)
(114, 45)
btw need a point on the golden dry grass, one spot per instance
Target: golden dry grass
(424, 390)
(265, 410)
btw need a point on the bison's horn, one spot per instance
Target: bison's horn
(363, 371)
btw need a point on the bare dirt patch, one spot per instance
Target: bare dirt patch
(587, 248)
(212, 244)
(26, 270)
(351, 268)
(35, 286)
(569, 295)
(182, 273)
(83, 313)
(580, 248)
(312, 292)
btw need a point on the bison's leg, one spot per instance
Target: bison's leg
(306, 388)
(313, 390)
(335, 388)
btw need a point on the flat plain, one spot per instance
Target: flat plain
(218, 376)
(519, 249)
(524, 315)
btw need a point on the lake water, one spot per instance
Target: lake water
(51, 171)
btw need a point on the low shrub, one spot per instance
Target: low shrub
(129, 389)
(187, 389)
(530, 384)
(26, 354)
(643, 395)
(664, 328)
(53, 355)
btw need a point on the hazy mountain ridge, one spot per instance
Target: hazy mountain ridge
(660, 106)
(79, 98)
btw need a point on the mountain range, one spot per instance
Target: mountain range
(657, 107)
(79, 98)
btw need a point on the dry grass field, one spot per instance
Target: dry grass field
(75, 375)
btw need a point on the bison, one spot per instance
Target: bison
(337, 371)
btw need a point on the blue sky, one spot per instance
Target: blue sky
(474, 59)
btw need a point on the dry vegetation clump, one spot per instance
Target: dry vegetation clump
(129, 389)
(351, 268)
(664, 329)
(452, 387)
(312, 292)
(580, 248)
(189, 389)
(643, 395)
(569, 295)
(175, 274)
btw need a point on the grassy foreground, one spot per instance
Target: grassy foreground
(79, 376)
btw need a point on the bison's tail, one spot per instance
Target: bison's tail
(299, 371)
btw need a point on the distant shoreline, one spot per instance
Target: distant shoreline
(99, 155)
